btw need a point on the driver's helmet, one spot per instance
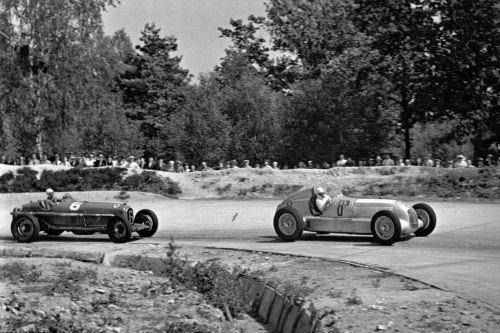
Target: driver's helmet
(320, 191)
(49, 192)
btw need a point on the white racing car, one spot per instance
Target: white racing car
(387, 220)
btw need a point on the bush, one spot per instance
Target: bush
(149, 181)
(78, 179)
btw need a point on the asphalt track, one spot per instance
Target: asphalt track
(461, 255)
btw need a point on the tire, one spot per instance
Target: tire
(385, 227)
(148, 217)
(54, 232)
(288, 224)
(119, 231)
(25, 228)
(428, 216)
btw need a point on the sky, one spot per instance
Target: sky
(193, 22)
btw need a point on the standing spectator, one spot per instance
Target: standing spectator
(204, 166)
(193, 168)
(142, 162)
(428, 161)
(44, 159)
(349, 162)
(57, 160)
(246, 164)
(186, 168)
(341, 161)
(310, 165)
(470, 164)
(132, 164)
(170, 166)
(109, 160)
(438, 163)
(100, 161)
(123, 162)
(151, 164)
(378, 161)
(301, 165)
(275, 165)
(33, 160)
(89, 160)
(233, 164)
(407, 162)
(178, 167)
(489, 160)
(266, 165)
(419, 161)
(161, 165)
(387, 161)
(326, 165)
(3, 159)
(460, 162)
(480, 162)
(65, 161)
(115, 162)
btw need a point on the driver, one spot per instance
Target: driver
(51, 197)
(323, 200)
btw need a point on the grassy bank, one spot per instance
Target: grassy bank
(385, 182)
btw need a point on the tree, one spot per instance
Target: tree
(467, 69)
(154, 87)
(407, 36)
(199, 131)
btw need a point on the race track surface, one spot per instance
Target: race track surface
(461, 255)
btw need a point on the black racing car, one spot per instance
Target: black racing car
(81, 218)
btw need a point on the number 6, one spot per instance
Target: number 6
(75, 205)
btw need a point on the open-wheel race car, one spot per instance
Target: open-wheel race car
(82, 218)
(387, 220)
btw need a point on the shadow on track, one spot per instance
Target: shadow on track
(311, 237)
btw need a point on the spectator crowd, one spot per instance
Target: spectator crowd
(151, 163)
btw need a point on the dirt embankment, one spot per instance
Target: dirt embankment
(389, 182)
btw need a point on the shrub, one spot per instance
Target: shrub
(19, 271)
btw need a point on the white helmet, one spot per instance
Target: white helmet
(49, 190)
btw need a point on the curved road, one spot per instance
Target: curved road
(462, 254)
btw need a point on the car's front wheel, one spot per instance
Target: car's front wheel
(386, 227)
(25, 228)
(119, 231)
(288, 224)
(149, 219)
(427, 215)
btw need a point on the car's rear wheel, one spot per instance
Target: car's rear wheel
(149, 219)
(288, 224)
(119, 231)
(25, 228)
(386, 227)
(427, 215)
(54, 232)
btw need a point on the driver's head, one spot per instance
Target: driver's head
(320, 191)
(49, 192)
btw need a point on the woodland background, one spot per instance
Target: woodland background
(310, 81)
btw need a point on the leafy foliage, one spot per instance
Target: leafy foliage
(78, 179)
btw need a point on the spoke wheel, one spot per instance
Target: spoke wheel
(119, 231)
(288, 224)
(426, 214)
(386, 227)
(25, 228)
(147, 218)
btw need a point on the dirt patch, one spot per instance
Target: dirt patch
(357, 299)
(71, 296)
(56, 295)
